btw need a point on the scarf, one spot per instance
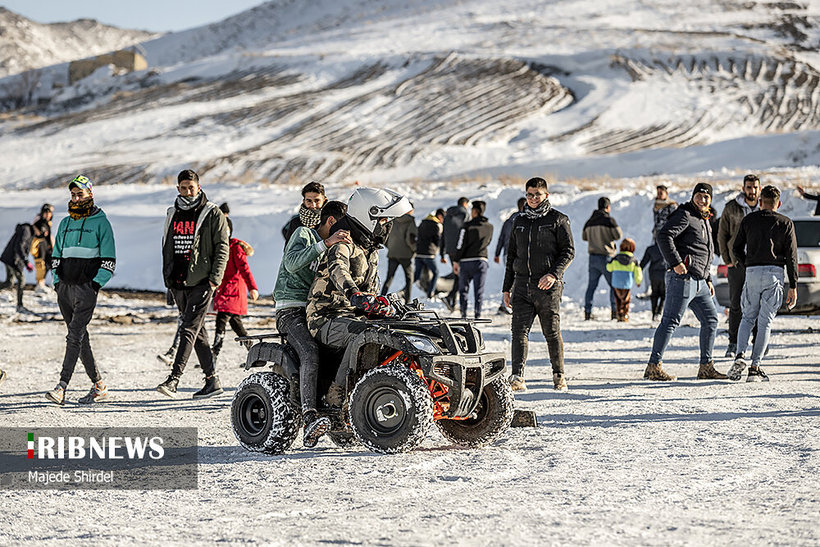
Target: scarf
(81, 209)
(662, 203)
(705, 215)
(539, 211)
(309, 217)
(186, 204)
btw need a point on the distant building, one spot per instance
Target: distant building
(126, 60)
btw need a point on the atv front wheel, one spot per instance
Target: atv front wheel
(490, 419)
(263, 417)
(391, 410)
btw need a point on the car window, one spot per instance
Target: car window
(808, 233)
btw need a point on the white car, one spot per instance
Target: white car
(808, 264)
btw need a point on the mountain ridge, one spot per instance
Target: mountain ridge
(26, 44)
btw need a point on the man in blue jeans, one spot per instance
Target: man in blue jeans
(686, 244)
(601, 232)
(765, 245)
(428, 241)
(470, 257)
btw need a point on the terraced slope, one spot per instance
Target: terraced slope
(456, 101)
(337, 131)
(774, 94)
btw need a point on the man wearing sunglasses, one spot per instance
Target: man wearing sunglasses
(539, 251)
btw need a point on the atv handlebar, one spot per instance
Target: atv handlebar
(416, 309)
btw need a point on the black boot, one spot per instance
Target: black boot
(212, 388)
(169, 386)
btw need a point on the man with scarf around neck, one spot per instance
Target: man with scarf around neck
(686, 244)
(539, 251)
(313, 199)
(301, 259)
(83, 261)
(345, 291)
(734, 211)
(601, 232)
(195, 249)
(470, 258)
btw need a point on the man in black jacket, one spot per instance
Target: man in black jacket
(539, 251)
(15, 258)
(503, 241)
(454, 219)
(427, 247)
(470, 258)
(602, 233)
(686, 244)
(764, 245)
(313, 199)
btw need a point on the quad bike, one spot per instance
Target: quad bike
(410, 371)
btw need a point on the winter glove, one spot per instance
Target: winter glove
(29, 267)
(96, 286)
(371, 304)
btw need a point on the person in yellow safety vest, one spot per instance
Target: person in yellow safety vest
(625, 273)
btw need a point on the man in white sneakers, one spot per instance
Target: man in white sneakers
(83, 261)
(766, 246)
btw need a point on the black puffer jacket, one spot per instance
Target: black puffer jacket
(16, 252)
(538, 247)
(473, 240)
(453, 221)
(687, 238)
(429, 237)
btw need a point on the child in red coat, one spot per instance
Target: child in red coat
(231, 298)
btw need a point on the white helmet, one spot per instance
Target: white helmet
(367, 205)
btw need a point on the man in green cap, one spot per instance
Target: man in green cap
(83, 261)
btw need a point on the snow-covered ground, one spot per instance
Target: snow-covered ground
(615, 460)
(662, 92)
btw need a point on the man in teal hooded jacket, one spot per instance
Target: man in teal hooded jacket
(83, 261)
(303, 252)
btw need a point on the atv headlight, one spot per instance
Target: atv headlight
(423, 344)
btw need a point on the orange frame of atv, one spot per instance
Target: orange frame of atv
(438, 391)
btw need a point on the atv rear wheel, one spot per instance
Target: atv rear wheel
(391, 410)
(263, 417)
(492, 417)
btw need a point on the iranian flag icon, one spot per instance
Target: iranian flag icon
(31, 446)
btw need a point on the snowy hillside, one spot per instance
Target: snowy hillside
(26, 44)
(431, 90)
